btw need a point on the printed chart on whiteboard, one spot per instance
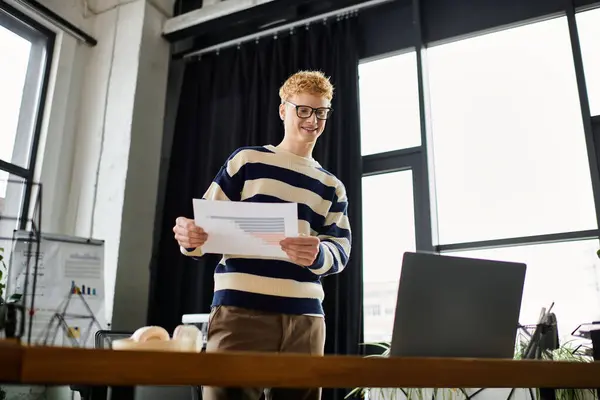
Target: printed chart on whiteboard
(69, 296)
(241, 228)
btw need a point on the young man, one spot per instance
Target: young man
(274, 305)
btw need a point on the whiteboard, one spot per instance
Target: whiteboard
(69, 301)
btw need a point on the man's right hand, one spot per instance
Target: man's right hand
(187, 234)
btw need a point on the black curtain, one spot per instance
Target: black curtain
(230, 99)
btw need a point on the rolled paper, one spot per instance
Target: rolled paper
(148, 333)
(190, 334)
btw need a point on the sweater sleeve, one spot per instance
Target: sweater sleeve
(229, 181)
(226, 186)
(336, 239)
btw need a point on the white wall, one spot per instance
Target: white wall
(100, 148)
(101, 141)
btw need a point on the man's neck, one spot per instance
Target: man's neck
(299, 149)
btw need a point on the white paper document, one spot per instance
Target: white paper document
(246, 229)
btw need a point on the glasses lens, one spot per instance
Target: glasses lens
(304, 112)
(322, 113)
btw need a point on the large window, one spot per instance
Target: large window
(12, 81)
(566, 274)
(588, 25)
(508, 165)
(509, 148)
(25, 55)
(388, 223)
(389, 104)
(511, 162)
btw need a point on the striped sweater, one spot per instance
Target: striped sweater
(269, 174)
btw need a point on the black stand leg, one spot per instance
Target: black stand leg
(122, 393)
(595, 336)
(84, 391)
(196, 392)
(547, 394)
(98, 393)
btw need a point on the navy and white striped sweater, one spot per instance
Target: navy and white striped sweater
(269, 174)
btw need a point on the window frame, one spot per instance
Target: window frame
(596, 136)
(584, 103)
(37, 82)
(401, 160)
(420, 159)
(593, 159)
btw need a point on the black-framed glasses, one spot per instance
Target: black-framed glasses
(307, 111)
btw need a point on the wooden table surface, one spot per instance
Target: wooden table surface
(64, 366)
(11, 356)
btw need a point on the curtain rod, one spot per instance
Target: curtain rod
(291, 25)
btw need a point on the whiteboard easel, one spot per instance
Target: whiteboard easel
(66, 265)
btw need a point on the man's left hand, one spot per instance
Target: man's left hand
(302, 250)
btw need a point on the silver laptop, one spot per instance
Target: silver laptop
(457, 307)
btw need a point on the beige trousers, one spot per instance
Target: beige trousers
(239, 329)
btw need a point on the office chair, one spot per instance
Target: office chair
(103, 340)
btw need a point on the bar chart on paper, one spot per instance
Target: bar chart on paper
(240, 228)
(266, 230)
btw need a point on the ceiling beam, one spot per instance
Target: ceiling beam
(207, 13)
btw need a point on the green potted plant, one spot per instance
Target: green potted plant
(408, 393)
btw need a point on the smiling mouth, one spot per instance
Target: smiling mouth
(311, 130)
